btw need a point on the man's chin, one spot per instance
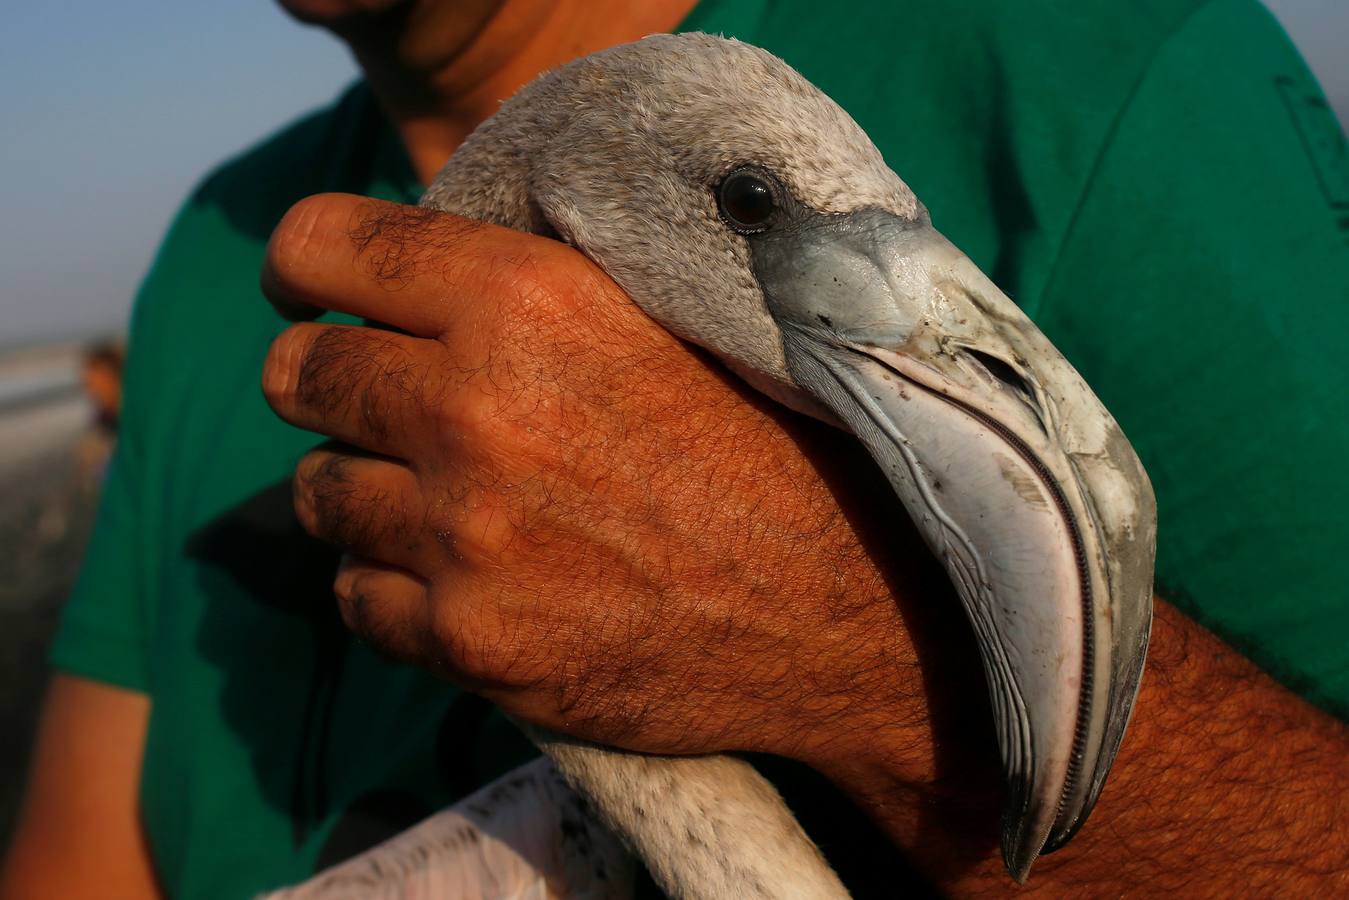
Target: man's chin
(333, 12)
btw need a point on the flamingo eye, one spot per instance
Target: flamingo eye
(746, 201)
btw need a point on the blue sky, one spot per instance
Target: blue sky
(112, 110)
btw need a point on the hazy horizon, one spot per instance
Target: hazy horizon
(97, 157)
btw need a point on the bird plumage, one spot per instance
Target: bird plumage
(846, 305)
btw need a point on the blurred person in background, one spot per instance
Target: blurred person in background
(67, 511)
(1135, 174)
(101, 377)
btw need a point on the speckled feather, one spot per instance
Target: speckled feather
(604, 140)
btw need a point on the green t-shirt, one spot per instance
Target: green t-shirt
(1158, 182)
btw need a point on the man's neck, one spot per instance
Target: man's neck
(435, 102)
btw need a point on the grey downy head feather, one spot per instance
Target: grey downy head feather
(746, 212)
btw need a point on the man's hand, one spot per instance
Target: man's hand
(546, 497)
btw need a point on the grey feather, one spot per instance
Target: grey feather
(851, 307)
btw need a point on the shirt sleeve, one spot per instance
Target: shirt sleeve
(101, 635)
(104, 633)
(1202, 290)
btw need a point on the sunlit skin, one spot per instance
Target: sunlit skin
(561, 506)
(439, 68)
(545, 497)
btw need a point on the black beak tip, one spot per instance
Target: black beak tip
(1018, 863)
(1022, 841)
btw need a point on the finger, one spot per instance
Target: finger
(405, 265)
(370, 506)
(386, 607)
(363, 386)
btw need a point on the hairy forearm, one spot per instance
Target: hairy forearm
(556, 503)
(1226, 784)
